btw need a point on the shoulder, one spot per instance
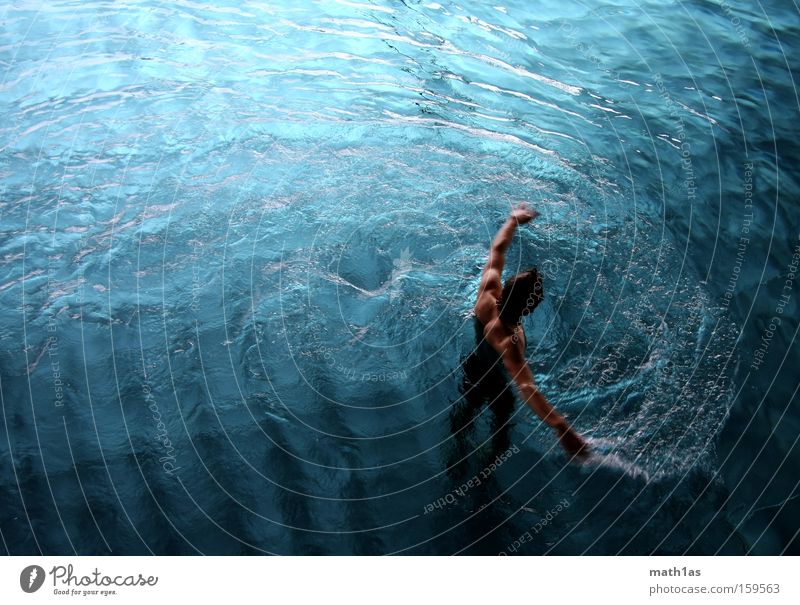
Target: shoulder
(496, 334)
(486, 309)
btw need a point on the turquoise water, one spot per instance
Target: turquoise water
(241, 243)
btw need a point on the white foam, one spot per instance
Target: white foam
(602, 455)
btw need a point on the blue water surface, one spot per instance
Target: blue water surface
(241, 242)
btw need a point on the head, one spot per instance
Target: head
(521, 295)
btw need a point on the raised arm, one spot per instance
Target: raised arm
(491, 282)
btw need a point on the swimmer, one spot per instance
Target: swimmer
(498, 313)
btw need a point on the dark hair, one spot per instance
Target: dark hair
(521, 295)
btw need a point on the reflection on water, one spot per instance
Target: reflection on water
(240, 246)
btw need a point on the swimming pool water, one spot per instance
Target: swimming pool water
(241, 243)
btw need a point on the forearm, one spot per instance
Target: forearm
(504, 236)
(572, 442)
(539, 404)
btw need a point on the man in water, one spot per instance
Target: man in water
(498, 322)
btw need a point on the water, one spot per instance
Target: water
(240, 246)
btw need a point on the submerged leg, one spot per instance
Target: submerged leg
(463, 415)
(502, 409)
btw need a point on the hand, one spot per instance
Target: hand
(572, 442)
(523, 214)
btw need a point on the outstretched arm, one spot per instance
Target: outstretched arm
(515, 363)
